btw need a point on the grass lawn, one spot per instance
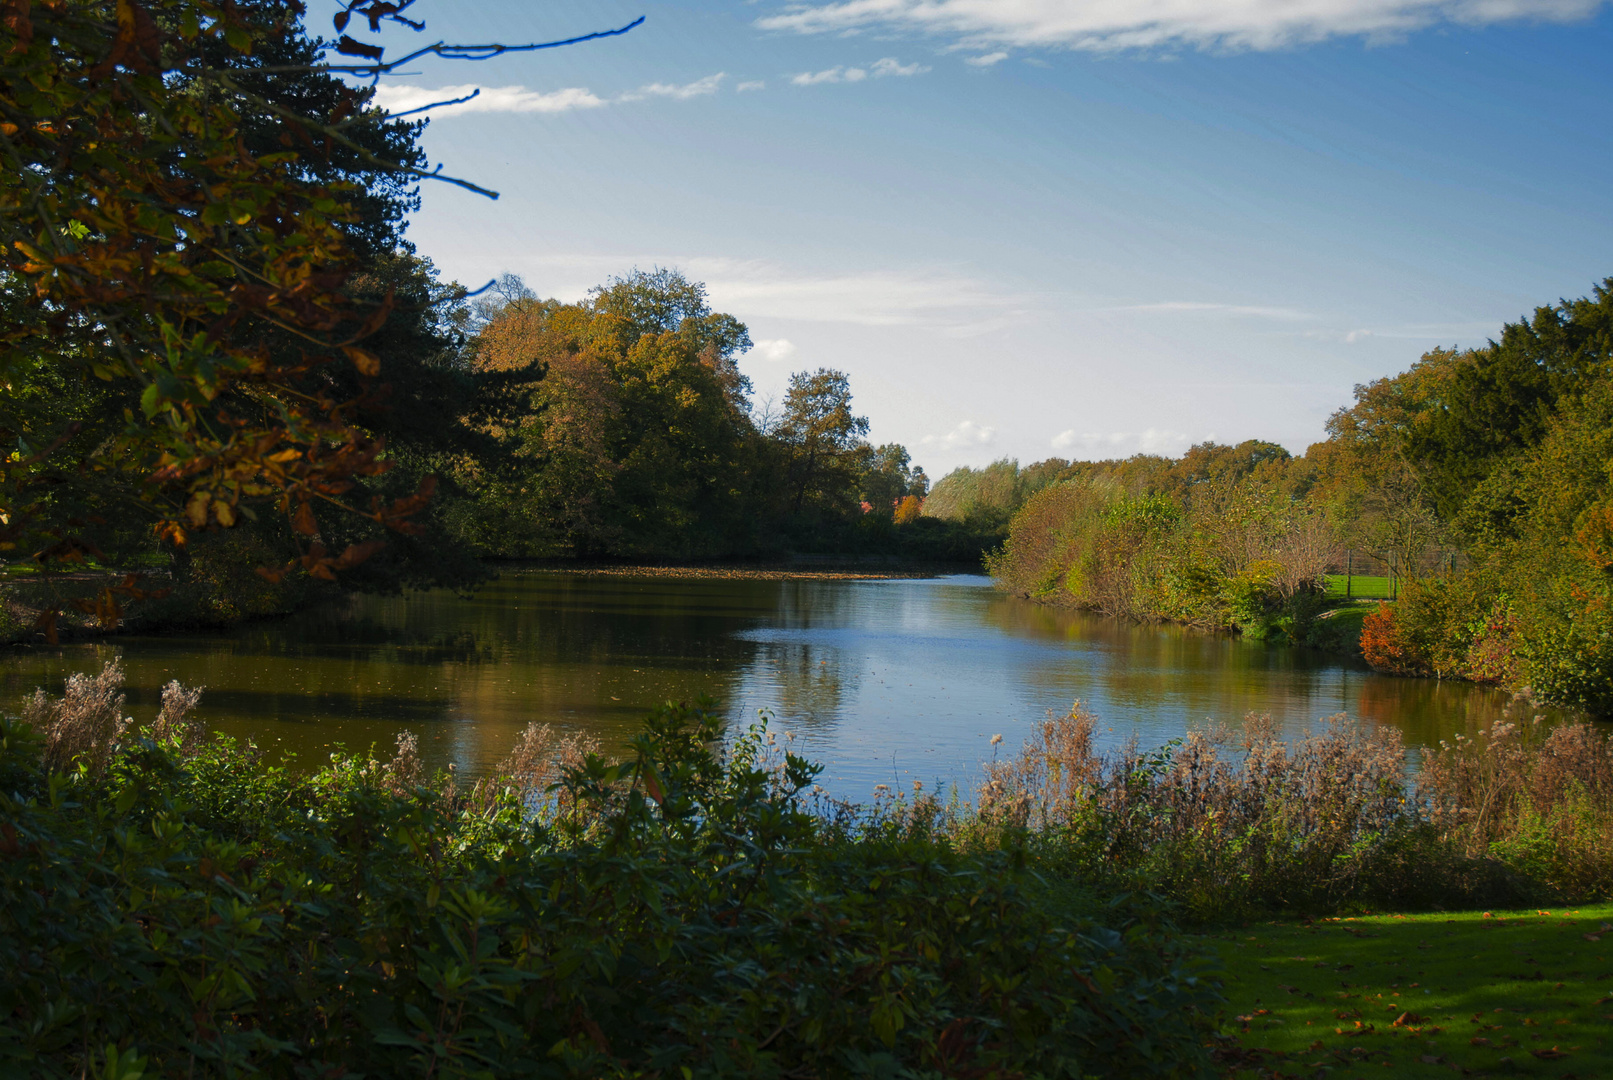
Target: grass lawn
(1509, 994)
(1362, 587)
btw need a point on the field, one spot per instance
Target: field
(1362, 586)
(1479, 994)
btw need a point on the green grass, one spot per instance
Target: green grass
(1362, 587)
(1510, 994)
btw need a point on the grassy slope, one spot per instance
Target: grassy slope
(1514, 994)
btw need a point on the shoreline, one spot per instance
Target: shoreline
(826, 570)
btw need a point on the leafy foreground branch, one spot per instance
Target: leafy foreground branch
(179, 907)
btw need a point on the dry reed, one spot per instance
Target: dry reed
(84, 727)
(175, 722)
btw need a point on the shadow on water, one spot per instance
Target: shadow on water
(885, 681)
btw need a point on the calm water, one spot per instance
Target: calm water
(882, 680)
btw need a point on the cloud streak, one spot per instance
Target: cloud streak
(491, 99)
(519, 99)
(1124, 25)
(885, 67)
(699, 88)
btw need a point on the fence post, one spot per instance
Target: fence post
(1349, 570)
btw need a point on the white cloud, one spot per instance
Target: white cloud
(775, 350)
(966, 435)
(889, 65)
(491, 99)
(879, 69)
(987, 60)
(698, 88)
(1091, 444)
(833, 75)
(1356, 335)
(753, 85)
(1117, 25)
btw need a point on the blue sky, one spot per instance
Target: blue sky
(1039, 227)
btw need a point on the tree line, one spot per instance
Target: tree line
(1481, 475)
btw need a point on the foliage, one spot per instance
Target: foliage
(678, 910)
(151, 259)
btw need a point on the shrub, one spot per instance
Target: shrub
(1384, 644)
(678, 912)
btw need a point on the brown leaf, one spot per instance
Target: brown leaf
(1553, 1054)
(357, 553)
(303, 521)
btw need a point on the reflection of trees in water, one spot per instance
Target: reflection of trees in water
(802, 685)
(801, 605)
(1217, 677)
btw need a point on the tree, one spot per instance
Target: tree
(186, 199)
(888, 478)
(823, 438)
(636, 442)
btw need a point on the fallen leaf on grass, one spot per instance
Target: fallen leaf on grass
(1407, 1019)
(1479, 1041)
(1548, 1055)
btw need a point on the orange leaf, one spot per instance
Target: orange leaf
(304, 521)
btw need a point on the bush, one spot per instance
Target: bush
(680, 912)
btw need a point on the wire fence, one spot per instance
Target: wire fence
(1358, 574)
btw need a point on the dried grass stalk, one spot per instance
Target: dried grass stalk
(86, 725)
(174, 720)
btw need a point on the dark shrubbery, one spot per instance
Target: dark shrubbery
(676, 913)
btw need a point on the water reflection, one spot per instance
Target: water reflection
(882, 680)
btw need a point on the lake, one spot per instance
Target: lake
(885, 681)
